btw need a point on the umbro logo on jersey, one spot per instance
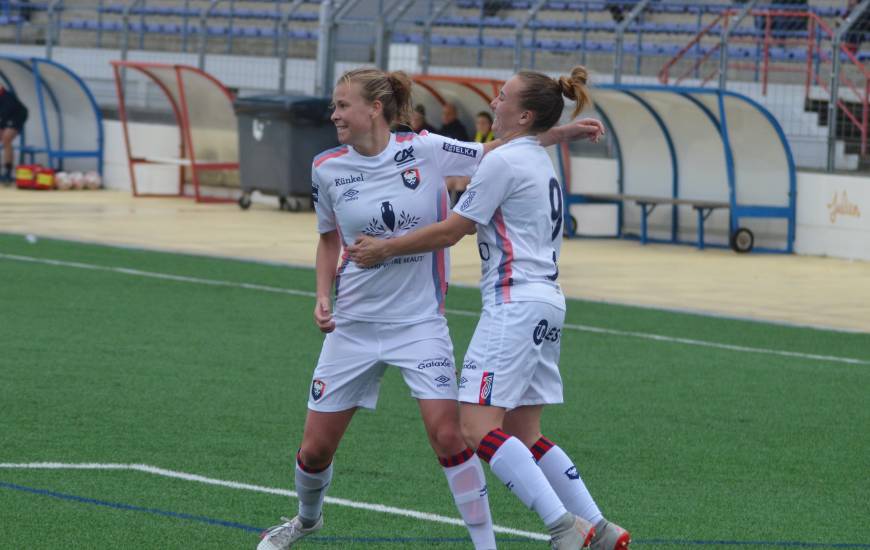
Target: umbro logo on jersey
(405, 156)
(443, 381)
(350, 195)
(353, 178)
(459, 150)
(411, 178)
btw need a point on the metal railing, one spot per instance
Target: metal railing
(719, 31)
(821, 48)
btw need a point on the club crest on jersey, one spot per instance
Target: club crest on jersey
(486, 383)
(411, 178)
(318, 389)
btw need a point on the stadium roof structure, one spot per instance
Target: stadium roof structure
(688, 151)
(64, 128)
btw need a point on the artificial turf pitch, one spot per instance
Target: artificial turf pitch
(684, 443)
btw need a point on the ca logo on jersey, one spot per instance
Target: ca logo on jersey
(411, 178)
(405, 156)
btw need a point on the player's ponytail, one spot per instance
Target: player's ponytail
(574, 88)
(543, 96)
(401, 86)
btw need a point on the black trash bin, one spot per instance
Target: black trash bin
(279, 135)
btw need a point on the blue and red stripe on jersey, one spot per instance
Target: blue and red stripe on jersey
(487, 381)
(345, 259)
(505, 267)
(335, 152)
(491, 443)
(439, 271)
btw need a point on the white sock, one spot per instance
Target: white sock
(468, 484)
(565, 480)
(311, 489)
(515, 466)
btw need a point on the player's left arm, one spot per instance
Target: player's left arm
(584, 128)
(368, 251)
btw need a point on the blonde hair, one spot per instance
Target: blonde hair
(392, 89)
(542, 95)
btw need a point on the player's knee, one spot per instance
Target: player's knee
(471, 434)
(447, 440)
(314, 455)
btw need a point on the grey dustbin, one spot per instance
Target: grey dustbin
(279, 135)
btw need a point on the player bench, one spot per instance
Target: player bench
(648, 204)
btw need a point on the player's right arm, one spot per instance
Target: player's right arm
(328, 250)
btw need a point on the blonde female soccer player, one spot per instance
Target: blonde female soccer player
(511, 371)
(383, 184)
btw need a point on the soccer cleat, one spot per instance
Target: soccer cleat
(609, 536)
(282, 537)
(574, 536)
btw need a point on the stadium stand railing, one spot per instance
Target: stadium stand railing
(480, 36)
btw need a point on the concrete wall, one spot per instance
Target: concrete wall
(833, 216)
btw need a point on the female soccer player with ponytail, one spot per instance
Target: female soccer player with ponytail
(385, 184)
(510, 371)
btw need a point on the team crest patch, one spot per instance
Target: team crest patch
(318, 388)
(411, 178)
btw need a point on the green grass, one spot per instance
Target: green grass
(677, 442)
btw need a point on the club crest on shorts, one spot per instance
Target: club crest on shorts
(318, 388)
(411, 178)
(486, 382)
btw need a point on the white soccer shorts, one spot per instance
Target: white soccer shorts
(513, 358)
(354, 357)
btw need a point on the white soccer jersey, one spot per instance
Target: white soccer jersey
(516, 200)
(385, 196)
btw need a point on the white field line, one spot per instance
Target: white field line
(380, 508)
(579, 328)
